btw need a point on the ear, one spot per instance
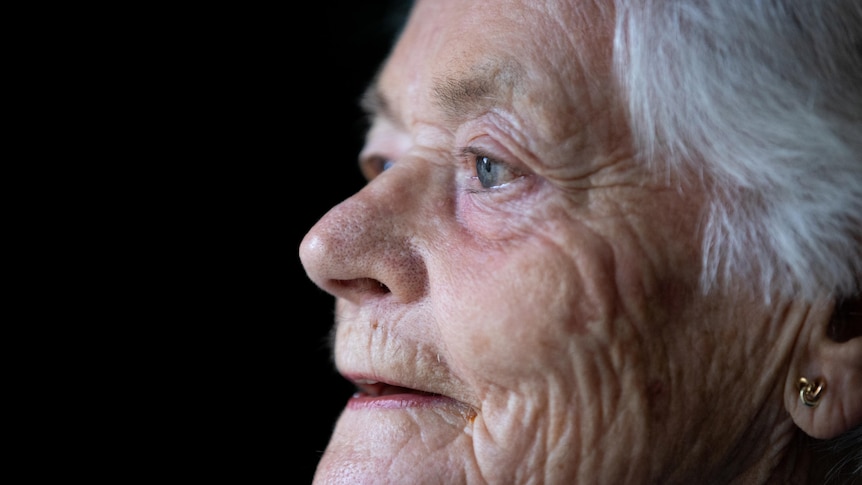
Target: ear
(830, 355)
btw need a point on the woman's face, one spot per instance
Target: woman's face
(516, 294)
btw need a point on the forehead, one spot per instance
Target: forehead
(542, 57)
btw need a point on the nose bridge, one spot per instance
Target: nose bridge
(368, 243)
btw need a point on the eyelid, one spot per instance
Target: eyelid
(472, 151)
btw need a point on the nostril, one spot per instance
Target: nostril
(361, 285)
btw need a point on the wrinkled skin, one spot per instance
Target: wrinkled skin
(549, 306)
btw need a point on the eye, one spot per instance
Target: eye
(374, 165)
(492, 173)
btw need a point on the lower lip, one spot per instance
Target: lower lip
(397, 401)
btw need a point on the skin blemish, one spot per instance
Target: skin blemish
(469, 418)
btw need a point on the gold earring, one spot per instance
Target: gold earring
(809, 392)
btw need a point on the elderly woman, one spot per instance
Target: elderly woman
(604, 242)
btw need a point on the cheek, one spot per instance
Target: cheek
(535, 335)
(522, 311)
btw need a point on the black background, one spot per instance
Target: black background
(256, 128)
(193, 356)
(357, 36)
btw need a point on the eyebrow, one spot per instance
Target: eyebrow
(375, 104)
(459, 97)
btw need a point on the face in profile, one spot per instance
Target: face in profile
(515, 293)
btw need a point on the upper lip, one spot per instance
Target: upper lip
(396, 364)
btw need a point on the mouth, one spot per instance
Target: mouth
(376, 394)
(370, 388)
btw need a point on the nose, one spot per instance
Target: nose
(366, 246)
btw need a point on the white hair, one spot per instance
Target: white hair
(761, 101)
